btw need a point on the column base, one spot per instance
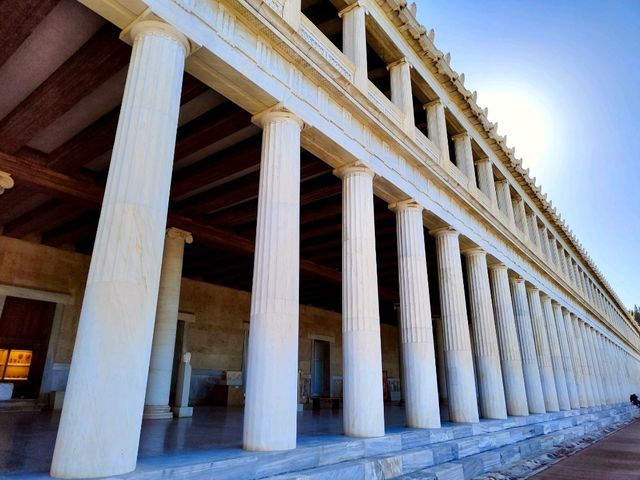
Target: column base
(183, 411)
(157, 412)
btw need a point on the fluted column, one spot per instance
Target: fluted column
(567, 360)
(486, 181)
(578, 368)
(511, 360)
(270, 405)
(354, 41)
(531, 225)
(584, 367)
(556, 355)
(363, 413)
(416, 333)
(487, 353)
(503, 196)
(156, 403)
(401, 96)
(100, 425)
(520, 216)
(597, 363)
(606, 367)
(464, 156)
(437, 128)
(542, 350)
(591, 364)
(461, 387)
(535, 395)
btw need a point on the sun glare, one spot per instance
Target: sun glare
(522, 118)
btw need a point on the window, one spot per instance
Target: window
(15, 364)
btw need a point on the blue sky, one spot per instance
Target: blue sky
(562, 79)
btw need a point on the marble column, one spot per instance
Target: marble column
(270, 410)
(437, 128)
(532, 228)
(416, 333)
(461, 387)
(567, 360)
(591, 364)
(556, 355)
(598, 365)
(533, 383)
(503, 196)
(440, 364)
(487, 353)
(363, 412)
(586, 374)
(354, 41)
(511, 360)
(578, 368)
(606, 367)
(100, 425)
(486, 182)
(520, 216)
(156, 403)
(464, 156)
(543, 352)
(401, 96)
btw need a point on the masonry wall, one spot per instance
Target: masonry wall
(216, 339)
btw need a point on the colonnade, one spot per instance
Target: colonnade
(532, 353)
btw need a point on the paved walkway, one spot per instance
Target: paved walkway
(616, 457)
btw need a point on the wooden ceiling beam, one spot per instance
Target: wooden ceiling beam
(43, 218)
(101, 57)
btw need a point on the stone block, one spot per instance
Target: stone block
(471, 466)
(417, 460)
(510, 454)
(382, 445)
(447, 471)
(415, 438)
(490, 460)
(341, 452)
(443, 452)
(466, 447)
(382, 468)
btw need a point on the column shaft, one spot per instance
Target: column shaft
(556, 355)
(164, 333)
(567, 359)
(512, 373)
(271, 406)
(464, 156)
(354, 41)
(503, 196)
(591, 364)
(401, 96)
(584, 367)
(363, 412)
(461, 387)
(487, 354)
(535, 395)
(486, 182)
(416, 333)
(437, 128)
(578, 368)
(100, 425)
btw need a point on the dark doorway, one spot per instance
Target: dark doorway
(321, 369)
(25, 328)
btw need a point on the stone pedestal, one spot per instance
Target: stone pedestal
(100, 424)
(530, 367)
(363, 409)
(461, 386)
(181, 406)
(156, 403)
(416, 333)
(511, 359)
(487, 354)
(272, 360)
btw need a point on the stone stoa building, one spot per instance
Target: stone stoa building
(303, 196)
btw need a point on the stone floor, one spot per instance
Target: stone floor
(616, 457)
(27, 439)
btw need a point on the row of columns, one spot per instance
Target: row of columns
(119, 360)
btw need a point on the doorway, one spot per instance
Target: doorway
(321, 369)
(25, 328)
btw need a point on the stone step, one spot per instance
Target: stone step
(20, 405)
(443, 456)
(400, 451)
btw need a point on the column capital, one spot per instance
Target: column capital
(461, 136)
(516, 278)
(473, 252)
(173, 232)
(544, 297)
(151, 25)
(482, 161)
(444, 231)
(433, 103)
(352, 169)
(498, 266)
(532, 288)
(402, 205)
(397, 63)
(351, 7)
(274, 113)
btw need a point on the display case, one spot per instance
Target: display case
(16, 364)
(4, 356)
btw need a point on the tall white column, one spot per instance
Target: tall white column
(586, 374)
(156, 403)
(567, 361)
(416, 333)
(272, 366)
(100, 425)
(511, 359)
(598, 365)
(542, 350)
(363, 412)
(486, 182)
(354, 41)
(437, 128)
(578, 368)
(487, 353)
(531, 225)
(461, 387)
(464, 156)
(591, 364)
(520, 216)
(503, 196)
(401, 96)
(556, 355)
(533, 383)
(606, 367)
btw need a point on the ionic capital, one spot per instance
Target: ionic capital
(275, 114)
(351, 7)
(410, 204)
(173, 232)
(353, 169)
(398, 63)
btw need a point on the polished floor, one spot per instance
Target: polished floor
(616, 457)
(27, 439)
